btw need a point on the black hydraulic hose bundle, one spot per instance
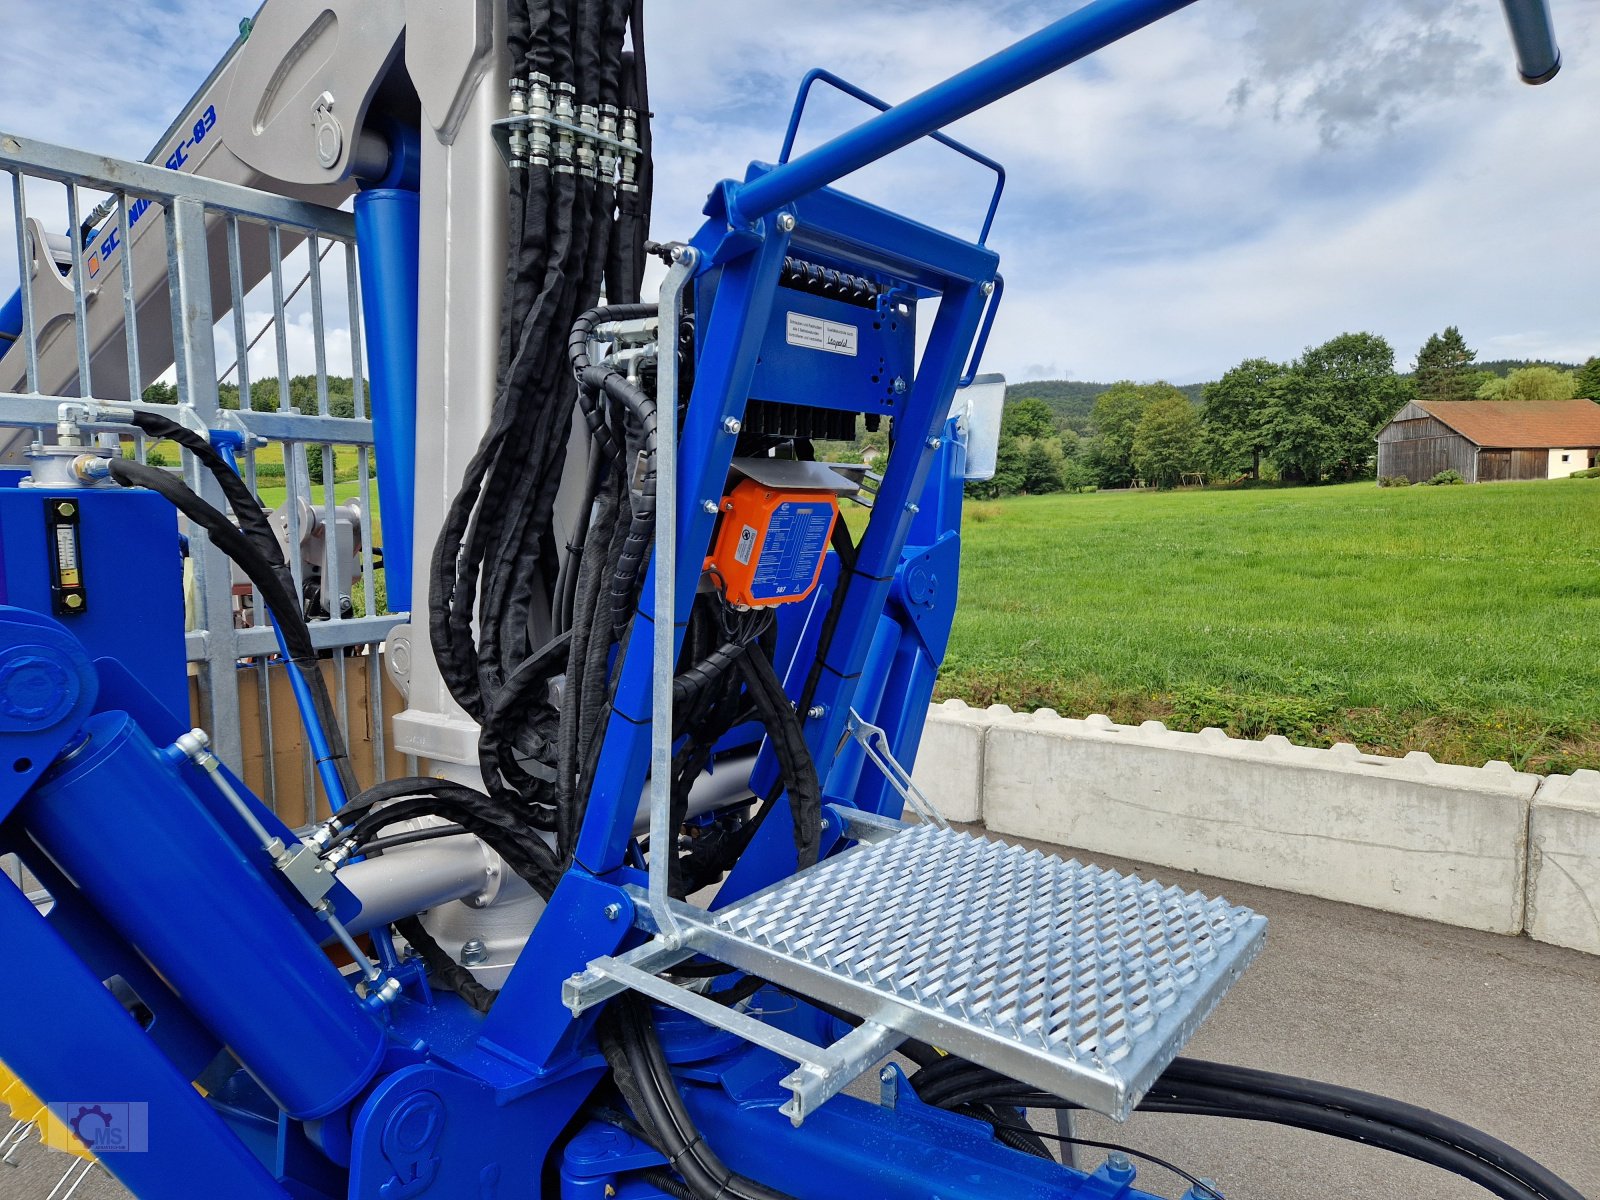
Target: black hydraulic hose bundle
(640, 1070)
(1197, 1088)
(495, 561)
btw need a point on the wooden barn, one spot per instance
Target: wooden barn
(1490, 440)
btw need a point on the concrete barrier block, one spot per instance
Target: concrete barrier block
(1564, 862)
(1446, 843)
(949, 766)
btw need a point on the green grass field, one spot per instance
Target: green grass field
(1462, 621)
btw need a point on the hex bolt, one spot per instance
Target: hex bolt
(1118, 1161)
(731, 425)
(987, 287)
(913, 509)
(817, 711)
(709, 506)
(613, 911)
(786, 222)
(474, 953)
(886, 1075)
(935, 443)
(899, 385)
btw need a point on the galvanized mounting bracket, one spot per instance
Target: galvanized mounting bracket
(875, 742)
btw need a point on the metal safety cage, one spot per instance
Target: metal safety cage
(140, 287)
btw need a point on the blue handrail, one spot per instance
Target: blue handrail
(1081, 33)
(944, 139)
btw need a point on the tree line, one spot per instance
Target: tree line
(267, 396)
(1312, 420)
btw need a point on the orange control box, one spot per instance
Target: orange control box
(771, 543)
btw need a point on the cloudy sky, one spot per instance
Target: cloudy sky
(1247, 178)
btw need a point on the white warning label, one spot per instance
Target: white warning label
(816, 334)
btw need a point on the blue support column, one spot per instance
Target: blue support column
(387, 231)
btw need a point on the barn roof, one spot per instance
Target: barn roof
(1520, 424)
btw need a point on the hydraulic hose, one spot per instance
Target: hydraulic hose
(1192, 1087)
(293, 633)
(640, 1069)
(500, 588)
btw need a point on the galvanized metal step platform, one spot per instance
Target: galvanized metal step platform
(1073, 978)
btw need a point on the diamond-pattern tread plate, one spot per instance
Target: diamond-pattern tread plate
(1074, 978)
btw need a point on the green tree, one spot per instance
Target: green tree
(1117, 412)
(1233, 411)
(1531, 383)
(1444, 368)
(314, 463)
(1010, 472)
(1168, 442)
(1076, 475)
(1323, 415)
(160, 393)
(1586, 383)
(1029, 417)
(1043, 465)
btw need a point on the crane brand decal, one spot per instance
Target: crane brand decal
(103, 243)
(816, 334)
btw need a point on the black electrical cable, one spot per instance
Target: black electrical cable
(1194, 1181)
(844, 547)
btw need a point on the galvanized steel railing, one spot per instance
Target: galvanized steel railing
(208, 246)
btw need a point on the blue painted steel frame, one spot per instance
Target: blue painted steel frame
(511, 1083)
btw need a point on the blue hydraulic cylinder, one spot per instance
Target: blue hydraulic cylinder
(387, 232)
(158, 867)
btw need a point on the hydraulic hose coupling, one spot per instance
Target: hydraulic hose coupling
(517, 142)
(630, 151)
(589, 123)
(91, 468)
(565, 118)
(538, 109)
(609, 155)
